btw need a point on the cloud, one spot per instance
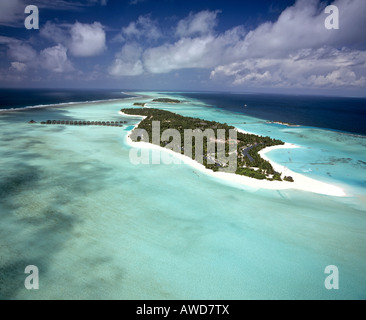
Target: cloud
(324, 67)
(127, 62)
(197, 52)
(201, 23)
(298, 51)
(134, 2)
(22, 52)
(184, 54)
(337, 78)
(56, 33)
(8, 40)
(197, 48)
(101, 2)
(24, 57)
(11, 12)
(87, 39)
(83, 40)
(55, 59)
(143, 28)
(18, 66)
(302, 26)
(294, 51)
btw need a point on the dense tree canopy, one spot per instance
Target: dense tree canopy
(249, 162)
(166, 100)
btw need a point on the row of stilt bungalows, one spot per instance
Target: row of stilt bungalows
(83, 123)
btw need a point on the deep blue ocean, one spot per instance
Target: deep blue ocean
(21, 98)
(344, 114)
(336, 113)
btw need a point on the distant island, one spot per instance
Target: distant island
(250, 163)
(140, 104)
(166, 100)
(284, 123)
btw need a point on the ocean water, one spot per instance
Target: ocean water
(337, 113)
(99, 227)
(22, 98)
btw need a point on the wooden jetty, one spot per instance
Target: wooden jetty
(82, 123)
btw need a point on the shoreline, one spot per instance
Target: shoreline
(302, 182)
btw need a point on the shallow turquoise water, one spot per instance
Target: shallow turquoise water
(99, 227)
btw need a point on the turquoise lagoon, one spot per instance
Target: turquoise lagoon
(99, 227)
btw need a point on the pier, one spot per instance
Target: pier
(82, 123)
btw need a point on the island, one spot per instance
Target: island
(284, 123)
(249, 162)
(140, 104)
(166, 100)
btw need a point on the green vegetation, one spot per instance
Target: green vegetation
(250, 163)
(166, 100)
(288, 179)
(277, 177)
(140, 104)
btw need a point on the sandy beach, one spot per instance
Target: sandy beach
(301, 182)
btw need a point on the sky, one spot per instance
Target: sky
(270, 46)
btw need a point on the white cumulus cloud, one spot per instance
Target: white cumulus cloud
(143, 28)
(294, 51)
(55, 59)
(83, 40)
(11, 12)
(22, 52)
(127, 62)
(87, 39)
(18, 66)
(201, 23)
